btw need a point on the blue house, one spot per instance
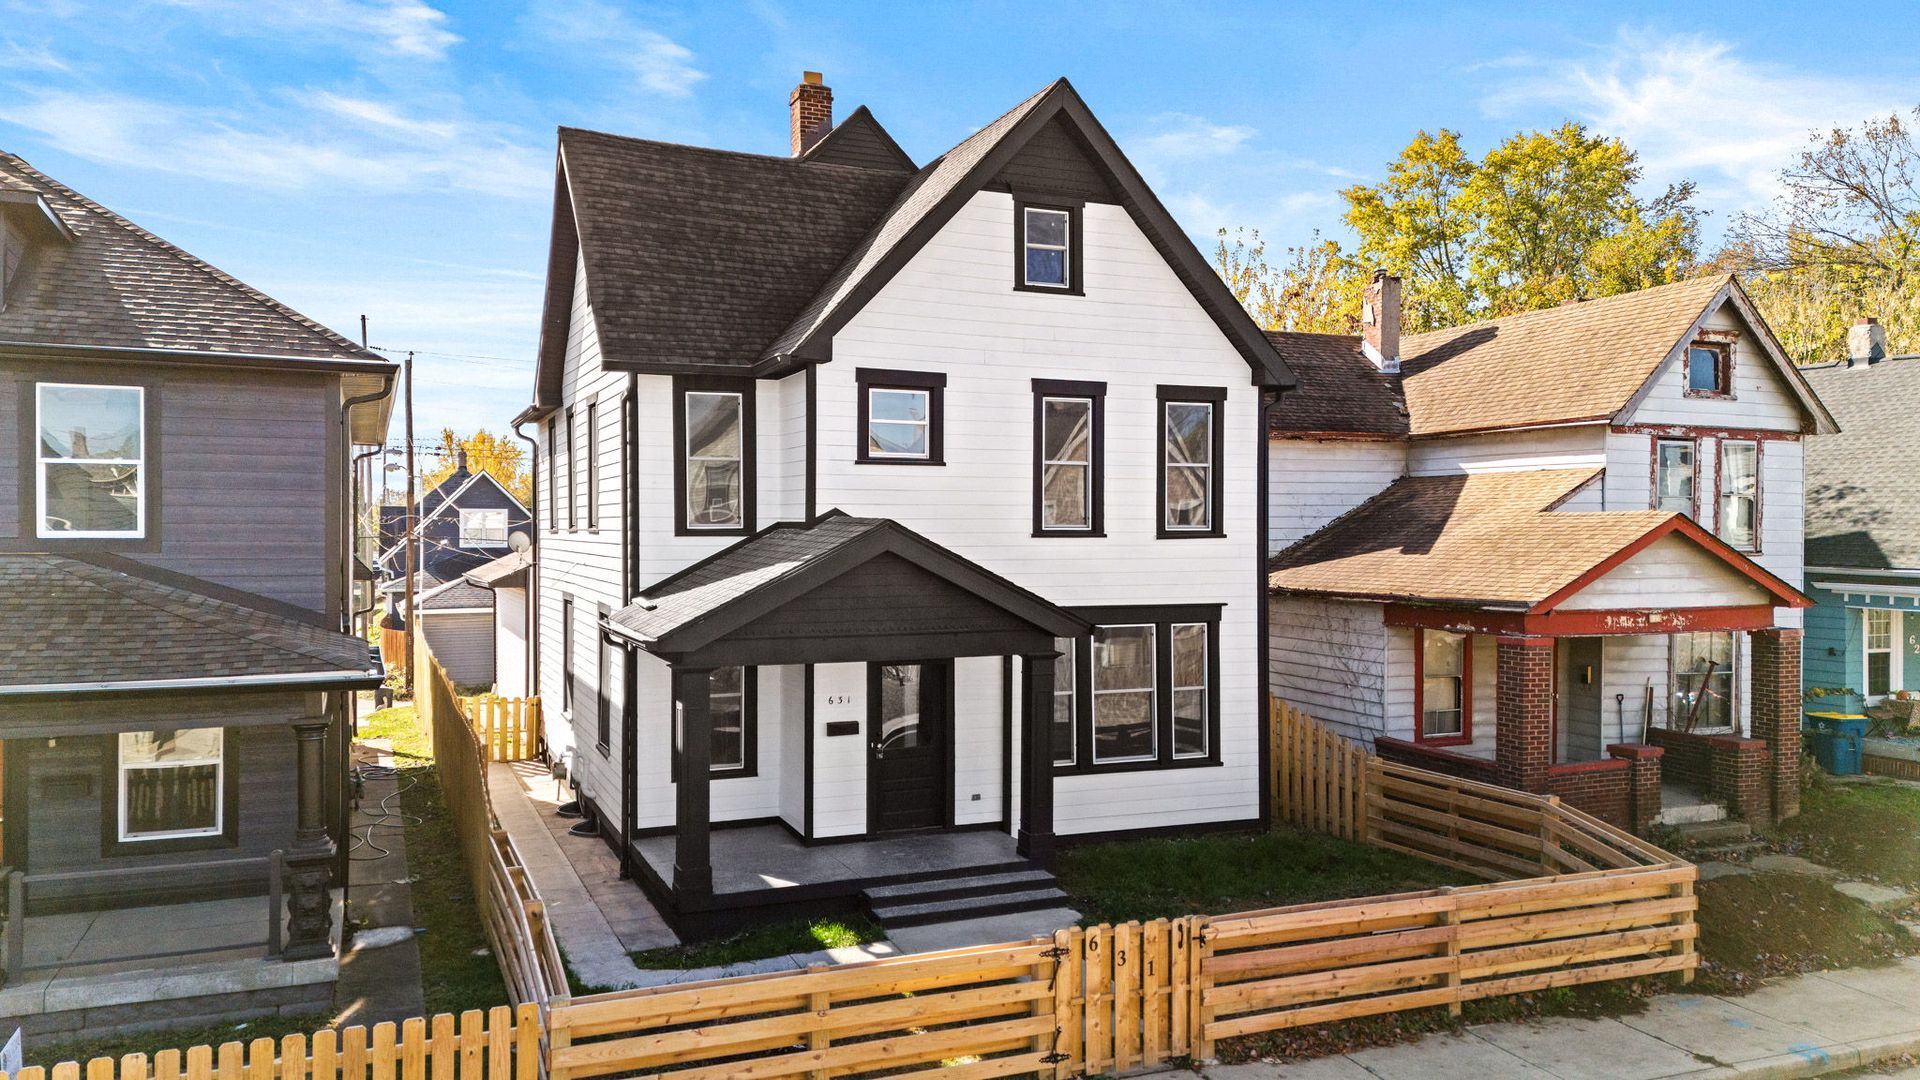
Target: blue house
(1863, 524)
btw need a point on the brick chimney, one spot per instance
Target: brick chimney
(811, 108)
(1866, 342)
(1380, 321)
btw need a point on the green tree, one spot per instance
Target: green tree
(1315, 288)
(504, 458)
(1417, 223)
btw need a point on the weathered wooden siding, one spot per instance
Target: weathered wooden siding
(1314, 481)
(1329, 658)
(243, 459)
(1673, 572)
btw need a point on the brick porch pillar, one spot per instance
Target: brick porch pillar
(1776, 713)
(1523, 731)
(1643, 782)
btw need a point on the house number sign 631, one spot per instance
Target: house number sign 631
(839, 699)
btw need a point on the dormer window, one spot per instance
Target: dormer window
(1709, 369)
(1047, 242)
(92, 481)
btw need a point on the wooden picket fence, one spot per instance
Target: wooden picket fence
(501, 1044)
(509, 728)
(1319, 777)
(510, 906)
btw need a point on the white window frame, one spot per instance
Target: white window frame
(1204, 467)
(1064, 247)
(1085, 467)
(1206, 692)
(1692, 448)
(1152, 688)
(469, 535)
(41, 461)
(1068, 652)
(1894, 653)
(219, 762)
(688, 457)
(926, 426)
(1728, 497)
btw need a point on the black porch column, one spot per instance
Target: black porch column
(308, 865)
(693, 812)
(1036, 759)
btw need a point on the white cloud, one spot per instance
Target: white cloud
(327, 139)
(395, 28)
(1180, 136)
(18, 57)
(594, 32)
(1693, 108)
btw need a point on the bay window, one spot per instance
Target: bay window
(91, 474)
(171, 783)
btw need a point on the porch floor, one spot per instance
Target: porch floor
(766, 859)
(195, 932)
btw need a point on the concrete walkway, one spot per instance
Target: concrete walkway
(380, 971)
(1807, 1025)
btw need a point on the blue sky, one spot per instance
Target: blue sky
(393, 158)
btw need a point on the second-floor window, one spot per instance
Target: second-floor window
(593, 465)
(1190, 453)
(1673, 476)
(1068, 457)
(483, 528)
(713, 424)
(900, 417)
(91, 461)
(553, 488)
(1740, 494)
(1709, 369)
(573, 477)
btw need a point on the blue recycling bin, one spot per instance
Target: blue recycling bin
(1837, 741)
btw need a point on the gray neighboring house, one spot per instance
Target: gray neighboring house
(176, 553)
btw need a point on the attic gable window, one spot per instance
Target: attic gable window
(1046, 243)
(1710, 369)
(483, 528)
(92, 476)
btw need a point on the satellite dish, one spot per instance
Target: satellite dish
(518, 541)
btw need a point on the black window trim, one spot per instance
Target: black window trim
(1076, 275)
(593, 466)
(573, 475)
(749, 450)
(566, 655)
(603, 730)
(1216, 398)
(749, 731)
(1097, 459)
(553, 475)
(1163, 617)
(935, 385)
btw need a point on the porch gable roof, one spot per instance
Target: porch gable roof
(740, 591)
(1499, 542)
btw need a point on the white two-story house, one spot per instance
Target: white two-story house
(895, 520)
(1560, 551)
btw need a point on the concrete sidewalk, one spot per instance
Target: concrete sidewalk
(1807, 1025)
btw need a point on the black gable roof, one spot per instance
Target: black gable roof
(859, 140)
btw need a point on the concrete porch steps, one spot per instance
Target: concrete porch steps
(918, 903)
(1682, 806)
(1717, 833)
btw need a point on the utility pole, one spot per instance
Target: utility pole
(412, 552)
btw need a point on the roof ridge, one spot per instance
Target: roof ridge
(1565, 307)
(784, 159)
(194, 262)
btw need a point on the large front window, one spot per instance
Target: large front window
(1883, 674)
(91, 460)
(1740, 494)
(171, 783)
(714, 461)
(1445, 683)
(1123, 694)
(1673, 476)
(1701, 696)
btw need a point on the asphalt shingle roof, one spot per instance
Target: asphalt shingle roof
(120, 286)
(66, 620)
(1863, 505)
(456, 595)
(1338, 391)
(507, 571)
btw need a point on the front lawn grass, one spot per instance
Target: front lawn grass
(1223, 873)
(1754, 926)
(763, 942)
(1869, 830)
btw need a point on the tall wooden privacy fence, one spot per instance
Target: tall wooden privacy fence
(509, 729)
(510, 907)
(502, 1044)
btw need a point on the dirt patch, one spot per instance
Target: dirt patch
(1867, 830)
(1756, 926)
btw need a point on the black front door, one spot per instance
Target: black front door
(907, 746)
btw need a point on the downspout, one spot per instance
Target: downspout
(1263, 612)
(345, 710)
(346, 439)
(533, 570)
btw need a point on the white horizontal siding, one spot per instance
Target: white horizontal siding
(1672, 572)
(463, 643)
(1509, 451)
(1313, 481)
(1761, 398)
(1328, 657)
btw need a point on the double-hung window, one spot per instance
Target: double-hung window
(609, 678)
(1140, 692)
(483, 528)
(1046, 242)
(593, 466)
(732, 708)
(900, 417)
(91, 470)
(573, 477)
(1702, 681)
(1882, 640)
(1068, 458)
(1191, 445)
(1444, 683)
(713, 425)
(1740, 494)
(172, 783)
(1673, 476)
(553, 475)
(566, 655)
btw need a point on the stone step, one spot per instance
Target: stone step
(967, 907)
(954, 887)
(1691, 814)
(1712, 832)
(1710, 850)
